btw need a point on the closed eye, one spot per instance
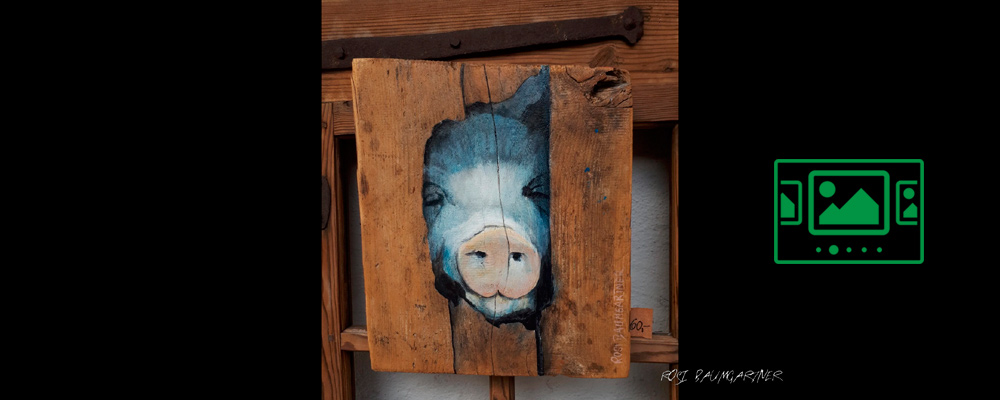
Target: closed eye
(538, 188)
(433, 195)
(433, 200)
(532, 194)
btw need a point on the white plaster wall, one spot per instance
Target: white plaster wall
(650, 283)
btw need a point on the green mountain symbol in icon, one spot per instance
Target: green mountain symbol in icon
(910, 212)
(859, 210)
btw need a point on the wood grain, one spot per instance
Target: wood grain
(354, 338)
(510, 350)
(655, 96)
(343, 118)
(585, 331)
(501, 388)
(652, 62)
(338, 366)
(656, 51)
(590, 158)
(661, 348)
(408, 321)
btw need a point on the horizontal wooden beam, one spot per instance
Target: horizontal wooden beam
(342, 112)
(354, 338)
(656, 51)
(654, 97)
(661, 348)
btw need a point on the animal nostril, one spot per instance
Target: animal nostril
(516, 256)
(476, 253)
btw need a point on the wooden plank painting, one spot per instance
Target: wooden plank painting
(495, 205)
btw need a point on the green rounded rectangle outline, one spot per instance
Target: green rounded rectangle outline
(898, 220)
(920, 162)
(850, 232)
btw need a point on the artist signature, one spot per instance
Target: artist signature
(728, 376)
(619, 318)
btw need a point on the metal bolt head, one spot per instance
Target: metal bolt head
(456, 43)
(339, 53)
(629, 23)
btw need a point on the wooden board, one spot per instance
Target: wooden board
(657, 51)
(495, 206)
(653, 62)
(338, 366)
(660, 348)
(654, 96)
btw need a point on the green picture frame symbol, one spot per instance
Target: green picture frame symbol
(847, 232)
(797, 205)
(818, 253)
(898, 220)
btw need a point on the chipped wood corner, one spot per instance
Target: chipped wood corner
(603, 86)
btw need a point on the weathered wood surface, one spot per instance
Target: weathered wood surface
(661, 348)
(653, 61)
(501, 388)
(354, 338)
(338, 366)
(343, 117)
(412, 327)
(656, 51)
(654, 95)
(591, 151)
(409, 327)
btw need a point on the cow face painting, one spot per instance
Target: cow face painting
(486, 205)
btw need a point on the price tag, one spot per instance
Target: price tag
(641, 323)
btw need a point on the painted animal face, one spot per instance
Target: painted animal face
(486, 205)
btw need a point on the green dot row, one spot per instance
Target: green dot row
(834, 249)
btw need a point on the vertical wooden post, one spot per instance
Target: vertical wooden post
(501, 388)
(338, 366)
(674, 256)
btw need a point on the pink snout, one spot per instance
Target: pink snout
(488, 265)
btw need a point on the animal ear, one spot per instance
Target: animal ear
(530, 104)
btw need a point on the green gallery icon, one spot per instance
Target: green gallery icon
(837, 211)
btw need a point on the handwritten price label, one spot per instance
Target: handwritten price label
(641, 323)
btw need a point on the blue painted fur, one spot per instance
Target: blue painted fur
(462, 191)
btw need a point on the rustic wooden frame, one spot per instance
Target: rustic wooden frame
(340, 338)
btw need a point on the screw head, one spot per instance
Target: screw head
(339, 53)
(456, 43)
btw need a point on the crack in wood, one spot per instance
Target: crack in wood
(603, 87)
(582, 256)
(496, 142)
